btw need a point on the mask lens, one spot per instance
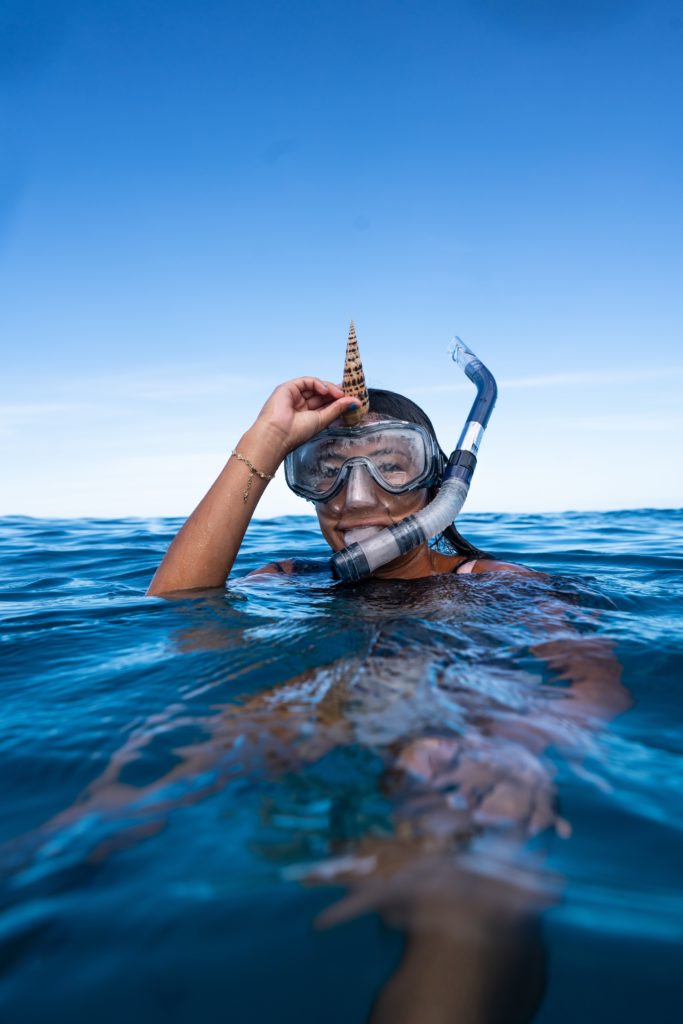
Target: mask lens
(397, 456)
(324, 466)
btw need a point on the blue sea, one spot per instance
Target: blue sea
(303, 801)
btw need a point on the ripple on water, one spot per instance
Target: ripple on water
(143, 738)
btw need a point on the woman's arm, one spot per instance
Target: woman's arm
(202, 553)
(589, 665)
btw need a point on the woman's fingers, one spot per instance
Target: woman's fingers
(316, 386)
(330, 413)
(563, 828)
(318, 401)
(315, 393)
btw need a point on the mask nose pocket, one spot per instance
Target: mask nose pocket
(360, 488)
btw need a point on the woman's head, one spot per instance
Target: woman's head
(392, 406)
(362, 505)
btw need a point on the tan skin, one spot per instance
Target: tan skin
(464, 940)
(204, 551)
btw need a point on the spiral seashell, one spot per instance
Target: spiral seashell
(354, 381)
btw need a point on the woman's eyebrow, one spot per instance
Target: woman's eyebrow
(386, 450)
(333, 453)
(330, 452)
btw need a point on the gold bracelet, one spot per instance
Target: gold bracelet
(252, 470)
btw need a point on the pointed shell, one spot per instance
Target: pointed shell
(354, 381)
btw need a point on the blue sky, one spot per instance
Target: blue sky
(195, 198)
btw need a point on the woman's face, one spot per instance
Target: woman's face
(363, 507)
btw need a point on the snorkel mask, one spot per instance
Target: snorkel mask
(400, 457)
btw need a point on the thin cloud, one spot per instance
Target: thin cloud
(550, 380)
(150, 385)
(27, 409)
(20, 416)
(624, 423)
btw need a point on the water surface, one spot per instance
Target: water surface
(188, 786)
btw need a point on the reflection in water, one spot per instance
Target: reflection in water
(407, 761)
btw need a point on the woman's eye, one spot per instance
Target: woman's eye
(390, 467)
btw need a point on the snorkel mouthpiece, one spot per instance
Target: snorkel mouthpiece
(364, 557)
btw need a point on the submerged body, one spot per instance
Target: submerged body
(371, 481)
(449, 784)
(294, 743)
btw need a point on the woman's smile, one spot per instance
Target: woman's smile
(360, 531)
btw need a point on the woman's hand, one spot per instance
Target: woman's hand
(203, 552)
(299, 409)
(490, 783)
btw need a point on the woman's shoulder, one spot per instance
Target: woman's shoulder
(462, 566)
(289, 567)
(480, 565)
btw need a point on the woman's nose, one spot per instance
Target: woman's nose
(360, 491)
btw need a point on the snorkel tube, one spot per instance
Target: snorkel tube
(363, 557)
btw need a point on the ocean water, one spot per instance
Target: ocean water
(277, 802)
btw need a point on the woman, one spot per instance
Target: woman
(355, 493)
(472, 952)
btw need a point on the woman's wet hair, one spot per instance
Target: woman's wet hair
(398, 407)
